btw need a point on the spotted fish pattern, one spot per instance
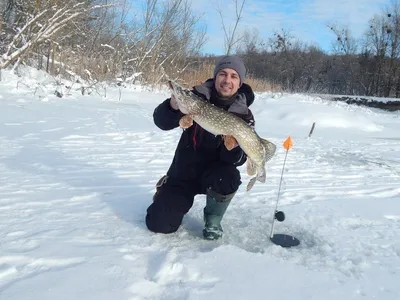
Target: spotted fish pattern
(220, 122)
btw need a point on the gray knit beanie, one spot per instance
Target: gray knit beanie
(232, 62)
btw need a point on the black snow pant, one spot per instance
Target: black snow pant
(174, 198)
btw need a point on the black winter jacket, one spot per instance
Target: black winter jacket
(198, 149)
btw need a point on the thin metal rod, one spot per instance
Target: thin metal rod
(277, 199)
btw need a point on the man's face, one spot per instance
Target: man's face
(227, 82)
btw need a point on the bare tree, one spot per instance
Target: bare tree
(344, 47)
(230, 34)
(41, 26)
(102, 40)
(250, 42)
(165, 39)
(375, 52)
(393, 32)
(344, 41)
(382, 52)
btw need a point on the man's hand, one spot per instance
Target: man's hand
(230, 142)
(173, 103)
(186, 121)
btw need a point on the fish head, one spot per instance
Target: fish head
(188, 102)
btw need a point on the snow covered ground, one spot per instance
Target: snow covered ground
(77, 174)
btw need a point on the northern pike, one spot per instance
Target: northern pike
(221, 122)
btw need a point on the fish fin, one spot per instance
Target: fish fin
(269, 149)
(251, 167)
(251, 183)
(261, 175)
(186, 121)
(229, 142)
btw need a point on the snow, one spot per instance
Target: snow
(77, 174)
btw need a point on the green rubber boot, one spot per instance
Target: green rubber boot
(214, 210)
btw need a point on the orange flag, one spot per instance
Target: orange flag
(288, 143)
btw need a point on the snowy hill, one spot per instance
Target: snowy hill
(77, 174)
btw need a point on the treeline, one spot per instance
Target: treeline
(369, 66)
(99, 41)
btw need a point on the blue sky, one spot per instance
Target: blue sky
(306, 19)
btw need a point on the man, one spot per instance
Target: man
(202, 163)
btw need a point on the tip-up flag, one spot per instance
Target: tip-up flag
(288, 143)
(282, 240)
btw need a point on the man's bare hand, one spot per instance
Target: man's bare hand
(186, 121)
(173, 103)
(230, 142)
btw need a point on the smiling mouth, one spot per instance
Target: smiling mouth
(225, 87)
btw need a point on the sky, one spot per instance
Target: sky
(77, 174)
(305, 19)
